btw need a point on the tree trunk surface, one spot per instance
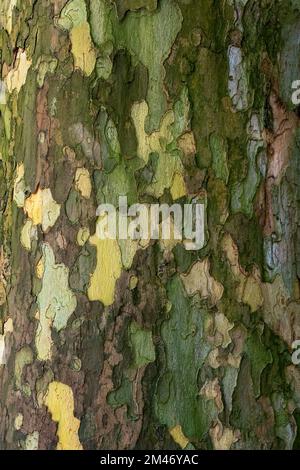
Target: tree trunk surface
(113, 344)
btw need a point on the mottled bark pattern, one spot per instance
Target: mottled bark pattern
(123, 345)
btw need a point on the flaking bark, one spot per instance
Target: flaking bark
(153, 346)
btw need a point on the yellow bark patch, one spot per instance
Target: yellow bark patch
(60, 403)
(83, 182)
(178, 188)
(42, 209)
(107, 272)
(16, 78)
(168, 164)
(83, 235)
(133, 282)
(40, 268)
(179, 437)
(199, 280)
(139, 113)
(82, 48)
(74, 19)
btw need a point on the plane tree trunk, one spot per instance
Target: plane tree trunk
(111, 344)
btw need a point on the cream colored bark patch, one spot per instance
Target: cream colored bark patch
(128, 250)
(187, 143)
(2, 293)
(32, 441)
(199, 280)
(249, 290)
(19, 186)
(8, 328)
(18, 422)
(23, 358)
(83, 182)
(6, 14)
(56, 302)
(28, 233)
(222, 438)
(223, 326)
(16, 78)
(211, 390)
(60, 403)
(130, 246)
(45, 64)
(42, 209)
(277, 300)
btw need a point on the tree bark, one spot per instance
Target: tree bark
(106, 344)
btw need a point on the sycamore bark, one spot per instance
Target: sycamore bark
(120, 345)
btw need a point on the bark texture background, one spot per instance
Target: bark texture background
(123, 345)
